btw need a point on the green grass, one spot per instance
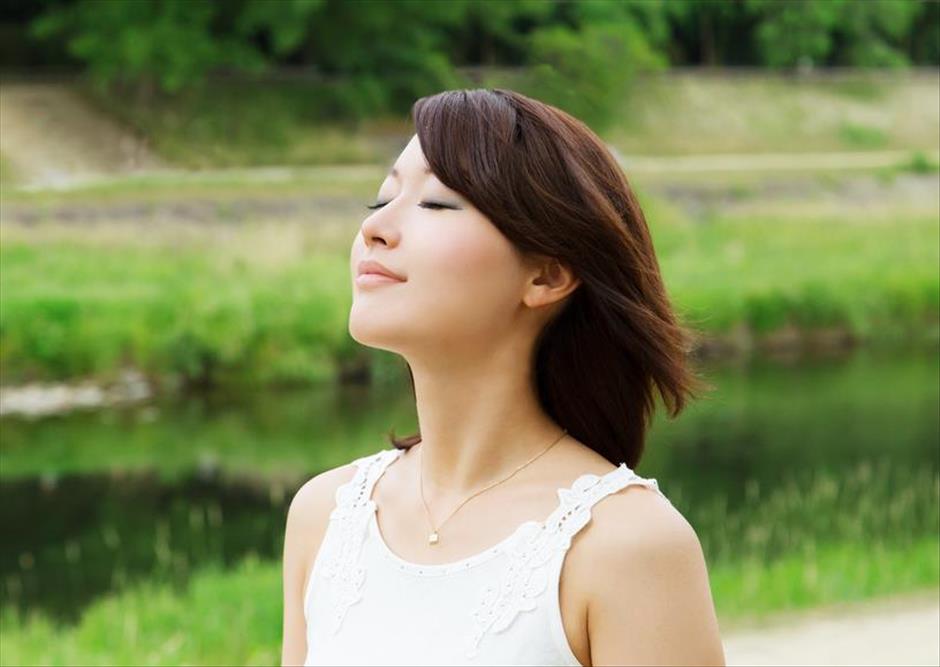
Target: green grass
(862, 136)
(266, 301)
(192, 303)
(874, 276)
(220, 618)
(829, 574)
(886, 506)
(919, 163)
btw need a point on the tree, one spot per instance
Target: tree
(169, 44)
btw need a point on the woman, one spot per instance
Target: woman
(508, 262)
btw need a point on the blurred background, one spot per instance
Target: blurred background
(180, 184)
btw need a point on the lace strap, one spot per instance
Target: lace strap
(574, 509)
(355, 494)
(534, 547)
(349, 523)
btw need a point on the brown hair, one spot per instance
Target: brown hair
(552, 187)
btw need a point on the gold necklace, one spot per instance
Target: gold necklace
(434, 538)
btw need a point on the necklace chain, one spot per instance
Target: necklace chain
(433, 538)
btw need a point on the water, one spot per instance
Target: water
(781, 457)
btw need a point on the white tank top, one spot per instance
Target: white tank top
(364, 605)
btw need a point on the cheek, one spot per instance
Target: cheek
(467, 272)
(465, 257)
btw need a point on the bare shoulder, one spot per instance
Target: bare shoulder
(308, 516)
(307, 519)
(639, 518)
(649, 574)
(318, 494)
(637, 529)
(311, 505)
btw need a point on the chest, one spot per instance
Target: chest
(404, 539)
(491, 608)
(499, 587)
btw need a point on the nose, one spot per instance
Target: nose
(380, 228)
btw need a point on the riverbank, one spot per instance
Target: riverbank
(258, 294)
(250, 121)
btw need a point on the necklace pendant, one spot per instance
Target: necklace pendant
(432, 538)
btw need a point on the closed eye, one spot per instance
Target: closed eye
(426, 204)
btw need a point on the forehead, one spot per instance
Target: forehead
(410, 161)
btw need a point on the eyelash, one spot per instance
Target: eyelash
(431, 205)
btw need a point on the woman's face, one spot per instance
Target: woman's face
(463, 281)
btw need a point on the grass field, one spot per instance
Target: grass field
(265, 299)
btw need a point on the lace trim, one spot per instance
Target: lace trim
(526, 577)
(350, 519)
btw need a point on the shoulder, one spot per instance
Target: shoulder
(638, 527)
(307, 519)
(649, 574)
(318, 494)
(638, 518)
(309, 512)
(313, 502)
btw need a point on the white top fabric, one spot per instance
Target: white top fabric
(364, 605)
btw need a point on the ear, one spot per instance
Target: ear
(550, 282)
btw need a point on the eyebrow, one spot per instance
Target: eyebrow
(394, 172)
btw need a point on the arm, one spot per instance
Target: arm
(307, 519)
(651, 602)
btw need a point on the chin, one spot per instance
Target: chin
(367, 329)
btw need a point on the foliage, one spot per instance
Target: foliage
(170, 43)
(795, 33)
(396, 51)
(588, 70)
(840, 32)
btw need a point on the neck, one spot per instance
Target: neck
(477, 426)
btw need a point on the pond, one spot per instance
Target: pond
(781, 458)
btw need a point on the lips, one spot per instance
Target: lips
(373, 268)
(370, 279)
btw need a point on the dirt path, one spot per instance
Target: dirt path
(899, 631)
(770, 161)
(52, 138)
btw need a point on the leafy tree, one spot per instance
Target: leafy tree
(834, 32)
(712, 32)
(375, 56)
(873, 33)
(792, 33)
(585, 62)
(925, 33)
(394, 49)
(170, 44)
(495, 33)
